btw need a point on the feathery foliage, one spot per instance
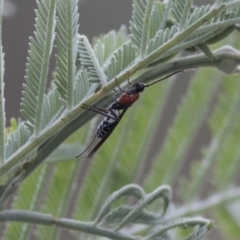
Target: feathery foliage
(89, 61)
(37, 67)
(67, 44)
(103, 196)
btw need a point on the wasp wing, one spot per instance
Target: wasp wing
(103, 139)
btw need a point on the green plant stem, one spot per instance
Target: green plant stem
(87, 227)
(226, 60)
(206, 204)
(196, 207)
(49, 220)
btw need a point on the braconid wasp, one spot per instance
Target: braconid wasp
(112, 113)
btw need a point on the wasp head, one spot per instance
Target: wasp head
(139, 87)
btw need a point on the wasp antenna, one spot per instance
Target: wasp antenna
(168, 76)
(87, 147)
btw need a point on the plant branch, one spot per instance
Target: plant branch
(195, 208)
(49, 220)
(226, 60)
(87, 227)
(204, 205)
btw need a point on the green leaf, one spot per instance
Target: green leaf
(226, 130)
(106, 46)
(28, 198)
(163, 192)
(83, 88)
(89, 61)
(157, 18)
(67, 46)
(58, 197)
(183, 130)
(161, 38)
(180, 10)
(37, 66)
(204, 227)
(52, 107)
(122, 59)
(129, 190)
(17, 139)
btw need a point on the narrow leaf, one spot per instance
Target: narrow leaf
(89, 60)
(106, 46)
(163, 192)
(129, 190)
(183, 131)
(37, 67)
(122, 59)
(139, 27)
(67, 45)
(217, 143)
(180, 10)
(27, 198)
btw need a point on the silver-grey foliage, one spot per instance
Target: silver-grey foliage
(87, 74)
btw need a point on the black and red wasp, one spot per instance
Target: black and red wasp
(112, 113)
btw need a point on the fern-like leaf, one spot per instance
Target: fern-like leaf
(157, 18)
(106, 46)
(29, 197)
(67, 45)
(17, 139)
(211, 31)
(183, 130)
(59, 188)
(37, 67)
(161, 38)
(217, 144)
(52, 107)
(139, 27)
(83, 88)
(180, 11)
(222, 120)
(89, 61)
(122, 59)
(204, 226)
(136, 26)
